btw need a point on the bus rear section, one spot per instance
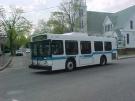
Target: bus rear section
(105, 51)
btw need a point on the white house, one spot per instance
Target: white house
(120, 25)
(123, 24)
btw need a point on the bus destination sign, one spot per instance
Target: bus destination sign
(39, 38)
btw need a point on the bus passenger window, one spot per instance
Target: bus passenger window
(98, 45)
(41, 50)
(34, 50)
(108, 46)
(71, 47)
(85, 47)
(57, 47)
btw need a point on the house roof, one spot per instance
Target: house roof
(96, 19)
(119, 18)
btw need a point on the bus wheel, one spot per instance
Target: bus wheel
(103, 60)
(70, 65)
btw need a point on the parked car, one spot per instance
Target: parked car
(19, 53)
(27, 50)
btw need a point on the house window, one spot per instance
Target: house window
(105, 28)
(131, 24)
(111, 27)
(108, 28)
(127, 38)
(81, 12)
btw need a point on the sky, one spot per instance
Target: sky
(40, 9)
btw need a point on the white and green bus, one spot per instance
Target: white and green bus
(71, 50)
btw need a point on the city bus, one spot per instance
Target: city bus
(71, 50)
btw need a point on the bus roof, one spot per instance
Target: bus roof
(74, 36)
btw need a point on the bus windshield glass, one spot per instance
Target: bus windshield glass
(41, 49)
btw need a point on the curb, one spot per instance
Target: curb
(7, 64)
(125, 57)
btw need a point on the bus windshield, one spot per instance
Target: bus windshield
(41, 49)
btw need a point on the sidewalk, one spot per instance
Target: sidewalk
(4, 61)
(126, 56)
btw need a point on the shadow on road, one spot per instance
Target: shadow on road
(49, 72)
(76, 70)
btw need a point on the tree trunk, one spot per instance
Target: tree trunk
(72, 27)
(11, 43)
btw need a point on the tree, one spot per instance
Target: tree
(21, 40)
(70, 11)
(42, 27)
(64, 20)
(14, 24)
(56, 23)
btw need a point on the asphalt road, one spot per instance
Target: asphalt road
(114, 82)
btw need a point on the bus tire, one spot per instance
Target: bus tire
(103, 60)
(70, 65)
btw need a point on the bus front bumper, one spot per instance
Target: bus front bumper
(49, 68)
